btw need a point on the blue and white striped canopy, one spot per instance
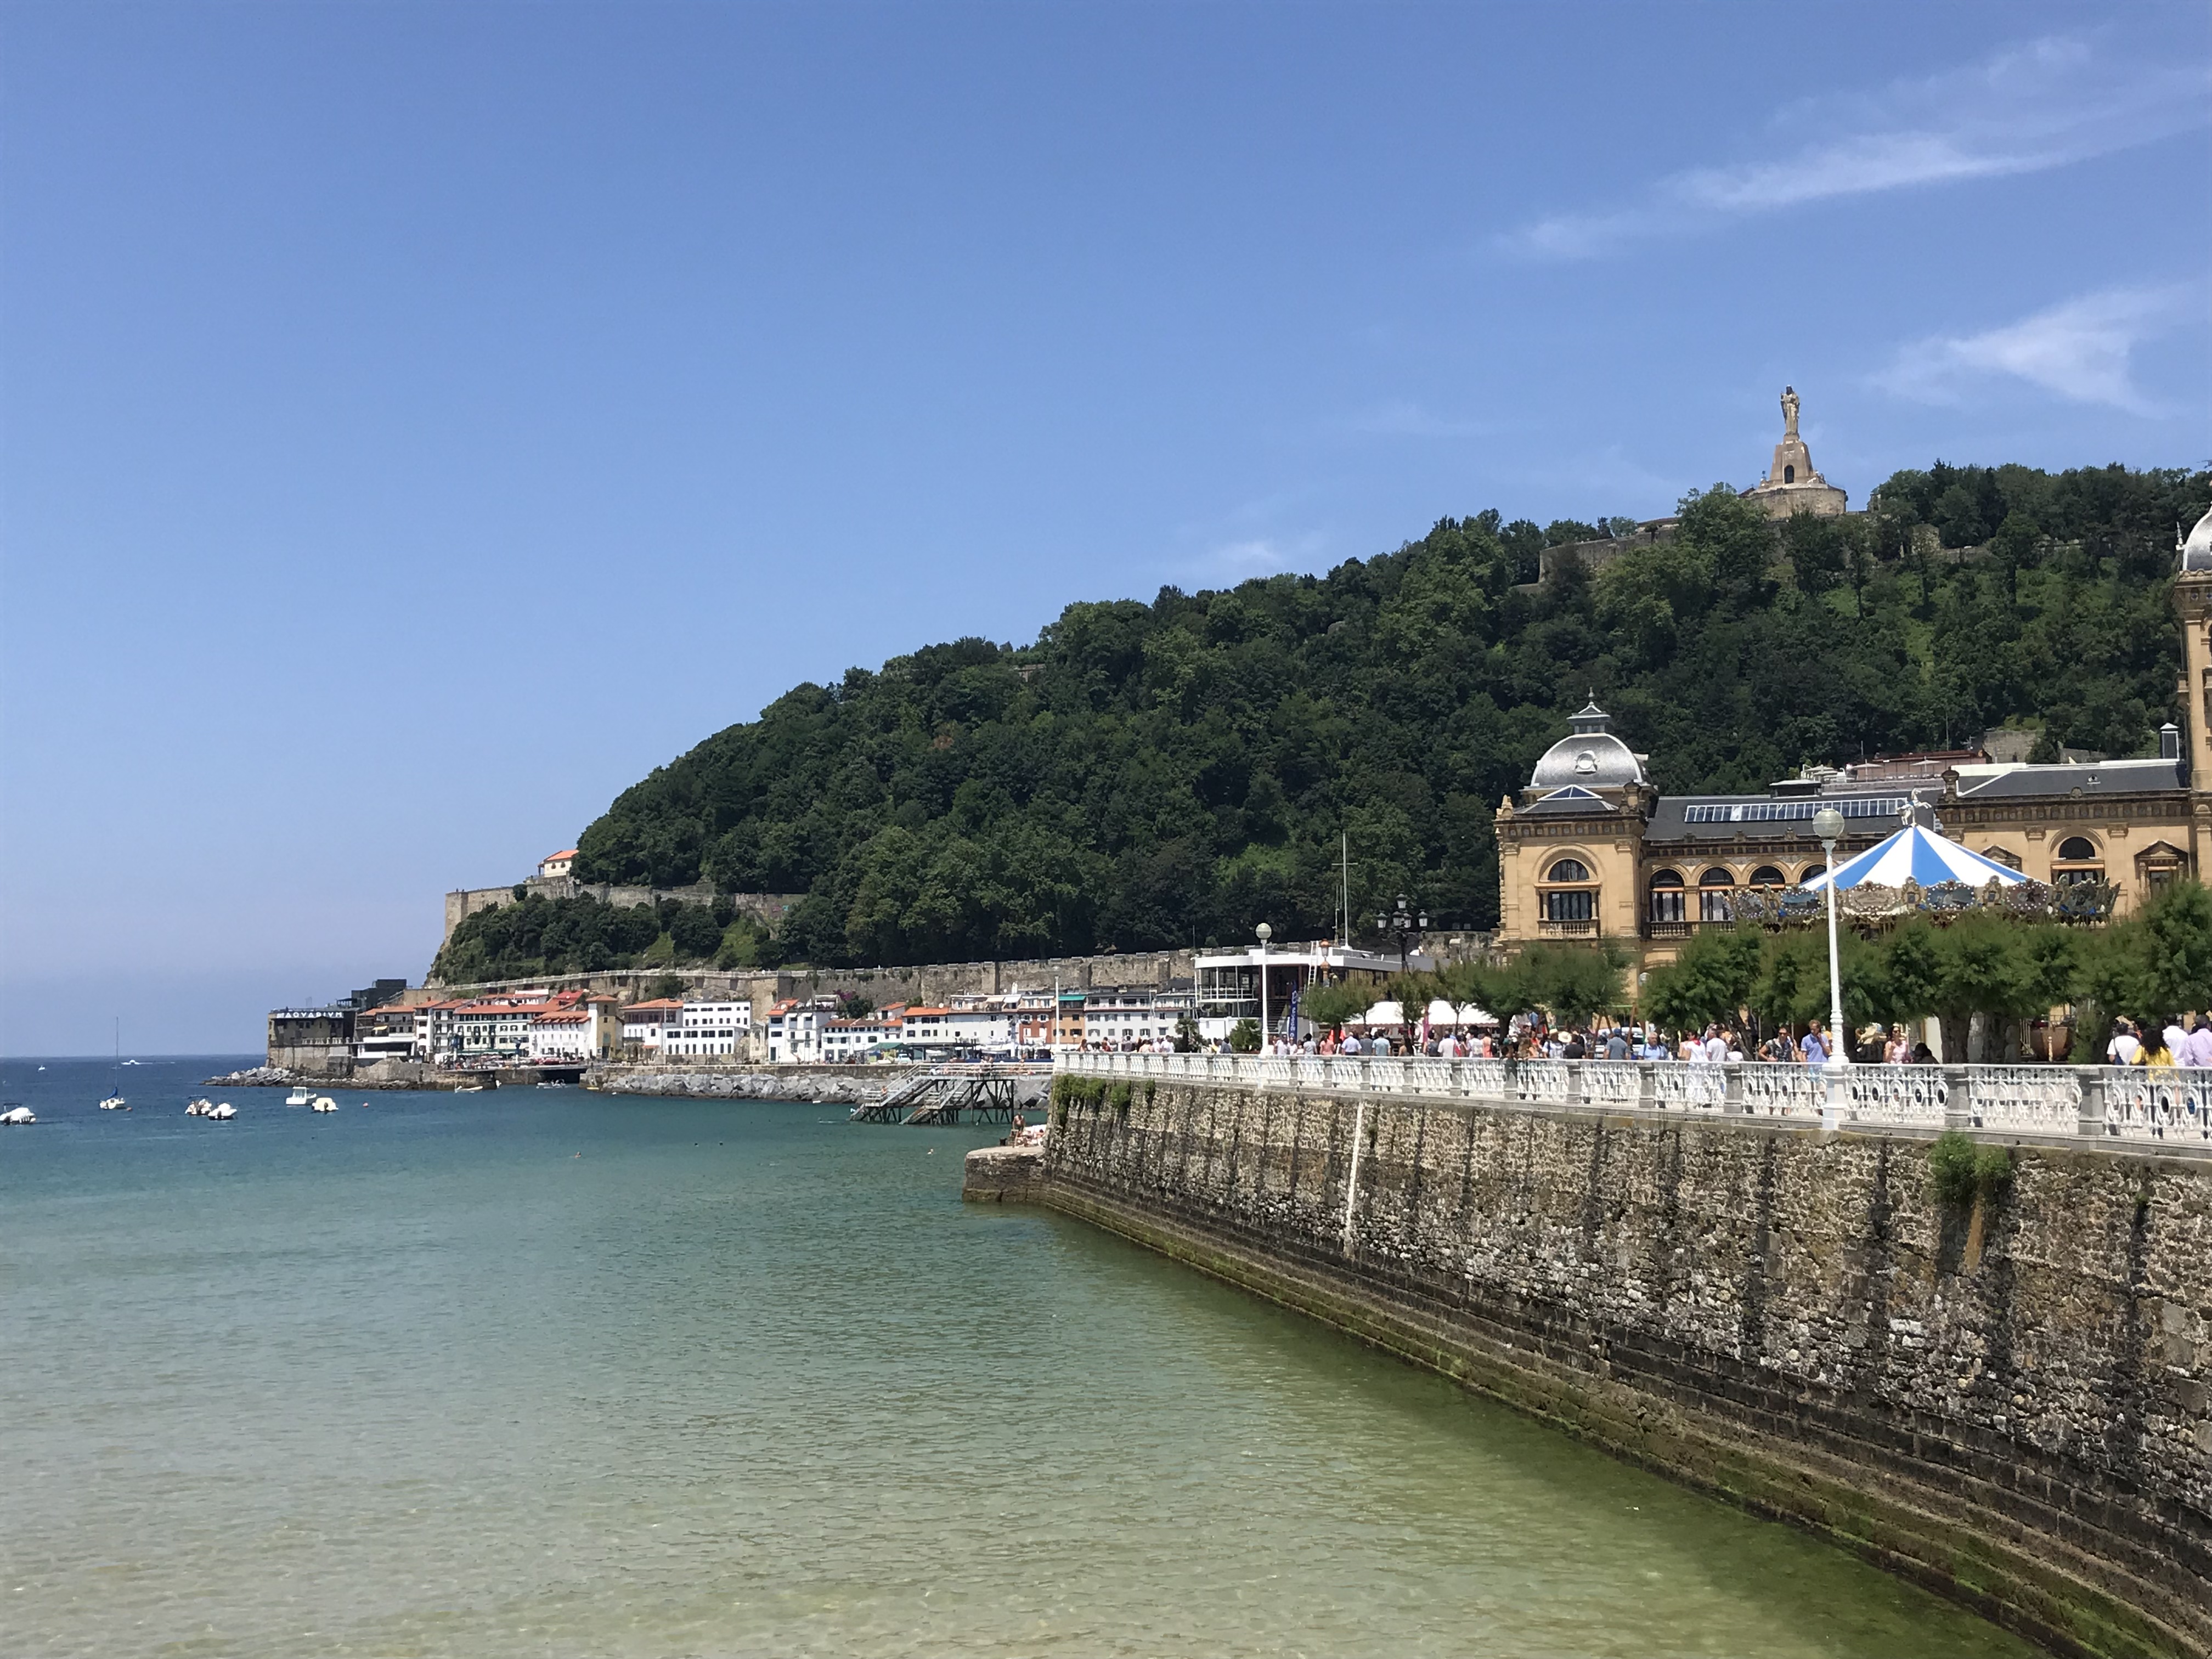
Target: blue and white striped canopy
(1917, 855)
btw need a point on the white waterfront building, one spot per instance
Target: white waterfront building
(709, 1028)
(1230, 983)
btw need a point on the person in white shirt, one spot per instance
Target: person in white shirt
(2124, 1047)
(2197, 1045)
(2176, 1037)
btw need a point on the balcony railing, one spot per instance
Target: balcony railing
(2165, 1105)
(1586, 929)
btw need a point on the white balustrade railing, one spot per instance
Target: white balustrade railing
(1903, 1096)
(2152, 1104)
(2158, 1102)
(1764, 1091)
(1688, 1087)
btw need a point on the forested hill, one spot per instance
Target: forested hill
(1153, 774)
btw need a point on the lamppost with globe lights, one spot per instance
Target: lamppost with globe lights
(1828, 829)
(1407, 928)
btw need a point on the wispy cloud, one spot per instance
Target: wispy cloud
(2039, 105)
(1402, 418)
(1263, 555)
(2081, 349)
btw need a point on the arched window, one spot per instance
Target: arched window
(1790, 474)
(1666, 895)
(1809, 871)
(2077, 859)
(1713, 894)
(1767, 876)
(1573, 901)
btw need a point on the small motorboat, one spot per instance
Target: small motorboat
(17, 1117)
(222, 1113)
(326, 1104)
(298, 1096)
(115, 1103)
(199, 1109)
(469, 1089)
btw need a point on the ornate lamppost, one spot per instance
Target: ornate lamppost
(1828, 829)
(1406, 925)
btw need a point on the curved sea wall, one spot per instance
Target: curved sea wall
(2005, 1398)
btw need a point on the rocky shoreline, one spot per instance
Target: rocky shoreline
(282, 1077)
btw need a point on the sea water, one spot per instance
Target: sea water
(542, 1371)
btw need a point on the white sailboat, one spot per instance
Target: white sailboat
(115, 1102)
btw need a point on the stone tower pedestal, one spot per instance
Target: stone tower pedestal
(1792, 485)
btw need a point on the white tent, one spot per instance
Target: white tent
(1441, 1013)
(1384, 1014)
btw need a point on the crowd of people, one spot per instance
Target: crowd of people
(2185, 1040)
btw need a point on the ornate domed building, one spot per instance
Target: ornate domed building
(1592, 850)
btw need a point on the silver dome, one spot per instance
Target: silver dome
(1590, 756)
(2197, 551)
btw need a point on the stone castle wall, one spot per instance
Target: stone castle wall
(463, 903)
(1795, 1321)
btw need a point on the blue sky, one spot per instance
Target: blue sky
(417, 421)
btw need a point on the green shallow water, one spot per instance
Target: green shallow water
(544, 1373)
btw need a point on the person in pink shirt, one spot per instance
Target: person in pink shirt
(2196, 1047)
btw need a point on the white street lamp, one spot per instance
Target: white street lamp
(1828, 828)
(1265, 933)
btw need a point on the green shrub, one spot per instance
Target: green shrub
(1964, 1170)
(1244, 1037)
(1118, 1098)
(1069, 1089)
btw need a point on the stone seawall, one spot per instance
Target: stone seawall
(846, 1085)
(2014, 1413)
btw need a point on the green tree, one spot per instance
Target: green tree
(1329, 1006)
(2173, 937)
(1712, 978)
